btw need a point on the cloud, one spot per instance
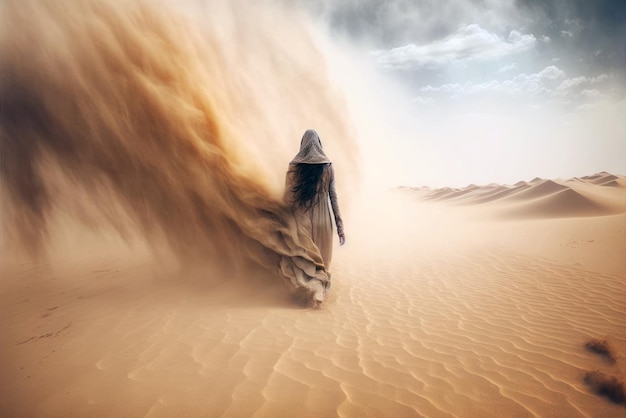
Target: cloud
(391, 23)
(578, 82)
(541, 82)
(468, 43)
(423, 100)
(551, 81)
(586, 106)
(582, 90)
(591, 93)
(576, 24)
(572, 82)
(508, 67)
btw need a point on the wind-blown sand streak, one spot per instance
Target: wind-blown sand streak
(137, 118)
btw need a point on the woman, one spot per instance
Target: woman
(310, 187)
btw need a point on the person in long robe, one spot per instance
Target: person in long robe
(310, 192)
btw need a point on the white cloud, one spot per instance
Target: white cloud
(591, 93)
(470, 42)
(599, 78)
(586, 106)
(567, 33)
(541, 82)
(446, 88)
(423, 100)
(551, 72)
(550, 82)
(508, 67)
(576, 24)
(571, 84)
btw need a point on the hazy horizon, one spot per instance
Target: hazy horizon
(448, 95)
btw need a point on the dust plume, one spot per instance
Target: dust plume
(175, 124)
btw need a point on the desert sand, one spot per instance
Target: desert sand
(445, 302)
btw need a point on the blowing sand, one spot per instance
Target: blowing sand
(469, 302)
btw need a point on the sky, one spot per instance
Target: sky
(448, 93)
(457, 92)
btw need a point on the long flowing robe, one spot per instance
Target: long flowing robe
(316, 221)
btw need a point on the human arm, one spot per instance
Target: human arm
(332, 192)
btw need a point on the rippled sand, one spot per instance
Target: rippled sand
(437, 309)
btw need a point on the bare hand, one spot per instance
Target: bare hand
(342, 238)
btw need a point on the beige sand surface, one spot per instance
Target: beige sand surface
(469, 302)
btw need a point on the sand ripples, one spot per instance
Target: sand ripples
(429, 329)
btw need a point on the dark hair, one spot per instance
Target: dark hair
(307, 184)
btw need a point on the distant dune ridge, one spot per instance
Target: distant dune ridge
(596, 195)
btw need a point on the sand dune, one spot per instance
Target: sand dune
(539, 190)
(564, 203)
(577, 197)
(612, 183)
(493, 194)
(605, 178)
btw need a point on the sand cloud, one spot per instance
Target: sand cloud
(468, 43)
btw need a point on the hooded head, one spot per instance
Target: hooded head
(309, 166)
(311, 151)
